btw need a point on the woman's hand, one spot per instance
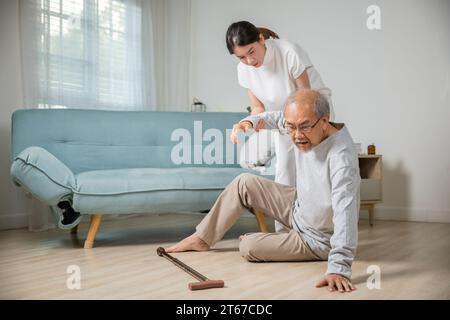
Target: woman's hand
(336, 281)
(240, 127)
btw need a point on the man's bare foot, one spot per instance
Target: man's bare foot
(191, 243)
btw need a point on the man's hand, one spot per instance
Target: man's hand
(336, 281)
(240, 127)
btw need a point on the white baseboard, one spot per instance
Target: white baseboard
(407, 214)
(13, 221)
(20, 220)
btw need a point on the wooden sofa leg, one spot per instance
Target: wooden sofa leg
(260, 218)
(370, 208)
(93, 228)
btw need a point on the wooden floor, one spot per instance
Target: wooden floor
(414, 259)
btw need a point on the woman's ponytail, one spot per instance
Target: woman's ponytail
(267, 33)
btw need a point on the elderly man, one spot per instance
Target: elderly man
(321, 214)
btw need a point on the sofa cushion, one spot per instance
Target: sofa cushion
(43, 175)
(87, 140)
(146, 202)
(150, 190)
(125, 181)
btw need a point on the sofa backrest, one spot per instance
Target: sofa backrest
(93, 140)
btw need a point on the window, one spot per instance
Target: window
(89, 54)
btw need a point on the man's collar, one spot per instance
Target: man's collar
(337, 125)
(325, 142)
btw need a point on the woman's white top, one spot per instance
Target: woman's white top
(274, 80)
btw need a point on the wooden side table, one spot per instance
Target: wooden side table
(370, 169)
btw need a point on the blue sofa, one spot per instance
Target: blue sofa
(114, 162)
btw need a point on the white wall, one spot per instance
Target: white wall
(391, 86)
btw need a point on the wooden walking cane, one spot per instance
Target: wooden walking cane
(203, 283)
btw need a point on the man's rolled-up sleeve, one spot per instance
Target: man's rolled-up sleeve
(273, 119)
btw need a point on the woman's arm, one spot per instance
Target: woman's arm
(257, 107)
(302, 82)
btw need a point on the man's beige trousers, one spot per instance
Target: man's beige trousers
(248, 191)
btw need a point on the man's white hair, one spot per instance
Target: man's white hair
(321, 104)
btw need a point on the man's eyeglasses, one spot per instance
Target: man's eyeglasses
(304, 129)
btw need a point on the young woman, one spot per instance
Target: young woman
(271, 69)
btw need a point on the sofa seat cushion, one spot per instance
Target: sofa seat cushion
(152, 202)
(123, 181)
(150, 190)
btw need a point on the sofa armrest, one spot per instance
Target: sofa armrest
(43, 175)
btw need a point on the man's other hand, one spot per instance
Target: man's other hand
(336, 282)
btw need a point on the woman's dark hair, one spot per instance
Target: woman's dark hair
(242, 33)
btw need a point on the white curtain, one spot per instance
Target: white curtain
(104, 54)
(171, 30)
(82, 54)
